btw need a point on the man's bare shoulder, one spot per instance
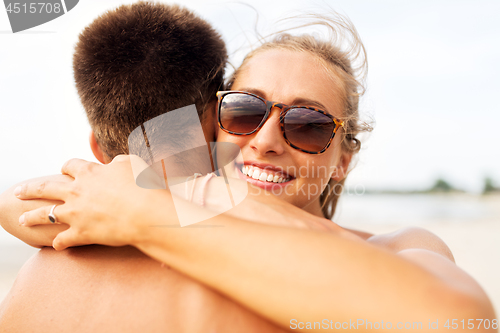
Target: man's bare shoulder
(105, 289)
(412, 238)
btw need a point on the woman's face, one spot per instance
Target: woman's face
(292, 78)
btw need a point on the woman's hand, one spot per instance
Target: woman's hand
(103, 205)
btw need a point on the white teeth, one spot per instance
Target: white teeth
(262, 175)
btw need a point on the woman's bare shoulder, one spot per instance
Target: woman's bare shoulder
(362, 234)
(412, 238)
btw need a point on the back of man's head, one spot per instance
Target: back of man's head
(138, 61)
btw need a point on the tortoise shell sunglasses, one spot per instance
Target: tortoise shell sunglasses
(304, 128)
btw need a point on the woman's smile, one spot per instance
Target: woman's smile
(265, 176)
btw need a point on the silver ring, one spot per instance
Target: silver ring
(52, 217)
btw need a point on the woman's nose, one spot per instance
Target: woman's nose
(269, 140)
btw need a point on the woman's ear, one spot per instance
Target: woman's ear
(340, 171)
(96, 149)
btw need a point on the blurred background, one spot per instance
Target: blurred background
(432, 95)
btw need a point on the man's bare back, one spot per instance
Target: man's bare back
(105, 289)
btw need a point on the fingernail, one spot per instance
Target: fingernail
(21, 219)
(17, 191)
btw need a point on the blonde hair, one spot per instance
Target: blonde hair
(344, 56)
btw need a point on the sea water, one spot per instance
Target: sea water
(414, 209)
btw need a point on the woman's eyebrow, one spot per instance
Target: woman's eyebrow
(306, 101)
(296, 101)
(254, 91)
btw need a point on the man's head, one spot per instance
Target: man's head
(139, 61)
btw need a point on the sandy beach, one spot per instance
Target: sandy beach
(474, 241)
(476, 249)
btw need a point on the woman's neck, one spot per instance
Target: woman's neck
(314, 208)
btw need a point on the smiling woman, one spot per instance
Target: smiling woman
(304, 70)
(298, 97)
(292, 78)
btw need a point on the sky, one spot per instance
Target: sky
(432, 87)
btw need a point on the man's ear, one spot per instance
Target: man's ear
(96, 149)
(214, 122)
(340, 171)
(208, 121)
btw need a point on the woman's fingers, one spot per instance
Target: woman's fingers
(65, 239)
(41, 216)
(44, 189)
(76, 167)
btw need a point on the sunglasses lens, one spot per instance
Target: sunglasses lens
(308, 129)
(241, 113)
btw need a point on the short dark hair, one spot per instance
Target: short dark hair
(139, 61)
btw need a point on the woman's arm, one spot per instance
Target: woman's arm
(281, 273)
(286, 274)
(257, 206)
(11, 208)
